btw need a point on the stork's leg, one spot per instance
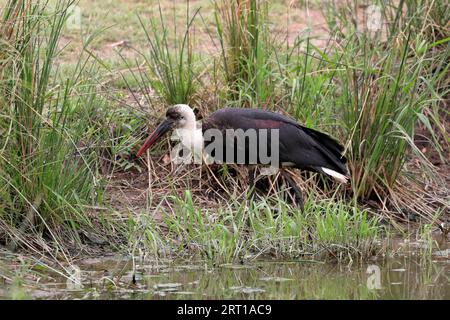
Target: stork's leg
(251, 181)
(297, 191)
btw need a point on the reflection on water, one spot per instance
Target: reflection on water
(408, 277)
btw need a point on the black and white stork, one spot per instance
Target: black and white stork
(299, 147)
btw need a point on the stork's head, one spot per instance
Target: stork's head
(179, 116)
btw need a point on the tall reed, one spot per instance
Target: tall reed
(386, 86)
(43, 177)
(246, 51)
(171, 63)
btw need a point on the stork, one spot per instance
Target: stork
(297, 146)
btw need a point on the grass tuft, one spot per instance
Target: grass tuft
(171, 63)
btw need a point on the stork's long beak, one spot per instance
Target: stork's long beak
(159, 132)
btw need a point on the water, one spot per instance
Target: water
(406, 277)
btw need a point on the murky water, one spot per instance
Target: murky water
(408, 277)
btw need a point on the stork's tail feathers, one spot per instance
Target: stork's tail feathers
(338, 176)
(331, 150)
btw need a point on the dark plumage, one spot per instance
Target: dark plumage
(301, 147)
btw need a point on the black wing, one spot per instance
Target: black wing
(304, 147)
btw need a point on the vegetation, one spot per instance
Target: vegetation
(269, 228)
(72, 118)
(45, 177)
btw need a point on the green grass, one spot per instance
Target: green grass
(385, 91)
(245, 52)
(245, 231)
(170, 64)
(48, 176)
